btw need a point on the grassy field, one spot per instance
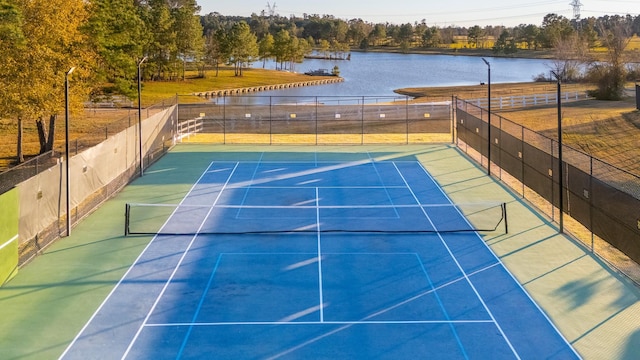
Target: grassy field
(608, 130)
(154, 92)
(94, 124)
(497, 90)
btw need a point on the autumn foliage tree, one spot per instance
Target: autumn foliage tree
(47, 41)
(12, 44)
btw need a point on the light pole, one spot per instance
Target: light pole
(66, 145)
(140, 118)
(560, 160)
(488, 116)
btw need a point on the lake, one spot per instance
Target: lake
(379, 74)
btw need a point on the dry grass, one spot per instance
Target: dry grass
(607, 130)
(91, 126)
(497, 90)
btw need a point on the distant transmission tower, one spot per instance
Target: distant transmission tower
(272, 9)
(576, 9)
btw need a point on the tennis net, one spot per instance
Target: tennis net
(181, 219)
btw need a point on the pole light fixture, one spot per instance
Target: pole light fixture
(488, 116)
(560, 159)
(140, 118)
(66, 146)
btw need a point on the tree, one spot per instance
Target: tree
(188, 30)
(610, 76)
(431, 37)
(338, 49)
(554, 28)
(259, 25)
(378, 35)
(588, 33)
(474, 35)
(12, 44)
(358, 31)
(162, 47)
(405, 36)
(281, 46)
(570, 53)
(505, 44)
(419, 30)
(214, 52)
(118, 35)
(339, 31)
(48, 42)
(296, 51)
(447, 34)
(243, 46)
(527, 34)
(324, 47)
(265, 48)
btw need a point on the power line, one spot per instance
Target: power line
(451, 20)
(443, 13)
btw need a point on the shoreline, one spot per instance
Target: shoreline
(521, 54)
(497, 90)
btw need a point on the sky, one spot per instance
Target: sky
(439, 13)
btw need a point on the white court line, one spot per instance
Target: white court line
(185, 339)
(462, 271)
(75, 339)
(9, 241)
(386, 189)
(250, 183)
(320, 285)
(319, 187)
(343, 324)
(321, 162)
(287, 323)
(364, 321)
(175, 270)
(511, 275)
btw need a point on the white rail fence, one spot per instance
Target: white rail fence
(189, 127)
(530, 100)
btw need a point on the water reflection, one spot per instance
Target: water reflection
(377, 75)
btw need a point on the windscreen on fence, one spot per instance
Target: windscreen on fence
(601, 197)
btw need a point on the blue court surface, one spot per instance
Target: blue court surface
(316, 260)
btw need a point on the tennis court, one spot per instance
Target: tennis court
(317, 255)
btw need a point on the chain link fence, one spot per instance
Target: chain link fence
(314, 120)
(601, 202)
(99, 166)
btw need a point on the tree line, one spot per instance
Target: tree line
(357, 33)
(106, 40)
(103, 40)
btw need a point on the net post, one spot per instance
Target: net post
(127, 211)
(504, 215)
